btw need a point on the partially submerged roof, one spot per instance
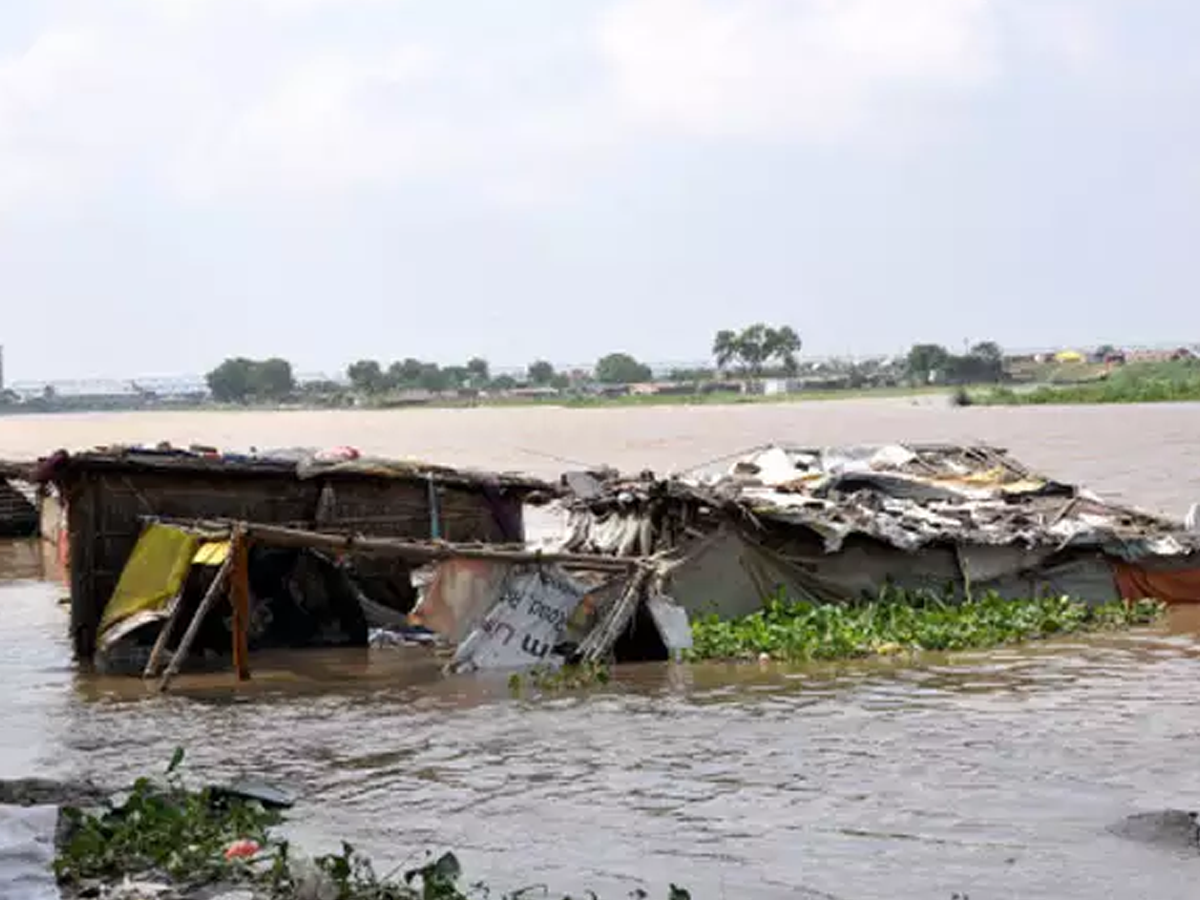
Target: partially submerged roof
(301, 464)
(907, 496)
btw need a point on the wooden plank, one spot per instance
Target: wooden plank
(239, 594)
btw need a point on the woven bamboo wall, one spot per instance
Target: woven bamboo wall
(106, 515)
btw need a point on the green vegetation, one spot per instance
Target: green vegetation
(549, 680)
(621, 368)
(983, 364)
(757, 345)
(200, 838)
(239, 380)
(902, 621)
(370, 379)
(1164, 382)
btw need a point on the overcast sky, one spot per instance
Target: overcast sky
(184, 180)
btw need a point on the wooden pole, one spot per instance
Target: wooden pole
(421, 553)
(239, 594)
(189, 636)
(165, 634)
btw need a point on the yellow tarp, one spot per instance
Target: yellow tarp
(213, 553)
(153, 575)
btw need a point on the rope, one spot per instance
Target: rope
(738, 454)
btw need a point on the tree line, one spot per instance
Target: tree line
(239, 380)
(755, 351)
(981, 364)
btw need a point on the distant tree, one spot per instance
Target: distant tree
(926, 359)
(504, 383)
(367, 376)
(541, 373)
(725, 348)
(455, 377)
(757, 345)
(432, 378)
(988, 350)
(982, 364)
(232, 381)
(783, 345)
(239, 379)
(406, 374)
(479, 370)
(272, 379)
(621, 368)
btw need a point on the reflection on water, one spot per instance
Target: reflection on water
(992, 774)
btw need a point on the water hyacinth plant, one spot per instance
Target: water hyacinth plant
(900, 621)
(197, 841)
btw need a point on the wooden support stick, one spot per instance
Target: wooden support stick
(164, 633)
(189, 636)
(239, 594)
(291, 537)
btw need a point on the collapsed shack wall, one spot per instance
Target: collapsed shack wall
(107, 508)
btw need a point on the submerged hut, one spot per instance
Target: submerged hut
(838, 524)
(111, 494)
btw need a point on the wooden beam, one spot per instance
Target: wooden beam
(239, 594)
(426, 552)
(189, 636)
(164, 635)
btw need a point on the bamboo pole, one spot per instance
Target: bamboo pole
(164, 635)
(189, 636)
(239, 594)
(418, 552)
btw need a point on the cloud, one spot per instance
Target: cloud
(36, 144)
(325, 123)
(812, 69)
(211, 99)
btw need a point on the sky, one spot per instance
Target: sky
(329, 180)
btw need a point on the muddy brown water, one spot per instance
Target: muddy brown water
(991, 774)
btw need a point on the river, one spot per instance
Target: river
(987, 774)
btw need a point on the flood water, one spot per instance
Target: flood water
(988, 774)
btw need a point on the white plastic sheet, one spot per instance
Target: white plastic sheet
(527, 620)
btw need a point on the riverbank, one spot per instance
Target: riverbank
(1170, 382)
(562, 401)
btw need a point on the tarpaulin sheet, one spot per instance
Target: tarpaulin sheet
(214, 553)
(1174, 586)
(154, 574)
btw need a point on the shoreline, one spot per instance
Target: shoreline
(637, 401)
